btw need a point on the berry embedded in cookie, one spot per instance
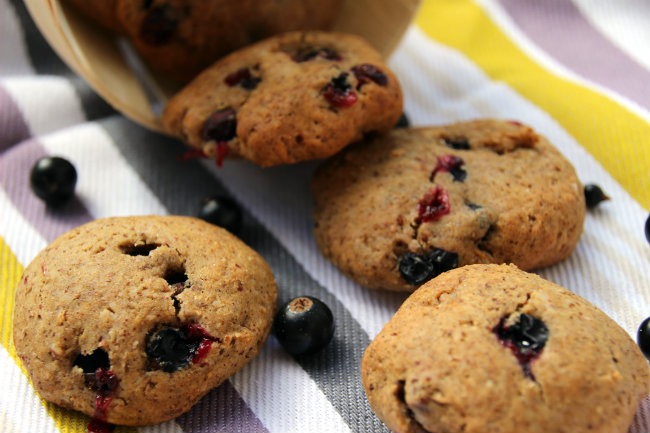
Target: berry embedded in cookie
(294, 97)
(131, 320)
(483, 191)
(525, 337)
(493, 348)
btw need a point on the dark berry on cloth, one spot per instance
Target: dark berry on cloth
(403, 121)
(643, 337)
(53, 179)
(222, 211)
(220, 126)
(304, 325)
(417, 269)
(525, 338)
(647, 228)
(594, 195)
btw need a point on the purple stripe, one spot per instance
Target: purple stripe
(221, 410)
(12, 124)
(559, 28)
(15, 166)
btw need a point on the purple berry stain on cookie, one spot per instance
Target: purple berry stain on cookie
(416, 269)
(450, 164)
(159, 25)
(434, 205)
(244, 78)
(99, 378)
(367, 73)
(307, 53)
(170, 349)
(220, 127)
(339, 93)
(526, 338)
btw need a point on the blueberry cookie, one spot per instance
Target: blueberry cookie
(291, 98)
(180, 38)
(394, 211)
(491, 348)
(132, 319)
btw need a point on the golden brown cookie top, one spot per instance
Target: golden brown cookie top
(147, 312)
(290, 98)
(492, 348)
(394, 211)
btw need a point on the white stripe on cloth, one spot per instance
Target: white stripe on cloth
(448, 79)
(22, 239)
(501, 18)
(13, 51)
(48, 103)
(283, 396)
(624, 22)
(24, 414)
(106, 184)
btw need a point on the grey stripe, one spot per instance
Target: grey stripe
(46, 62)
(12, 124)
(335, 370)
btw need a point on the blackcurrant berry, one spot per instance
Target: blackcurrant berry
(643, 337)
(304, 325)
(403, 121)
(170, 349)
(417, 269)
(53, 180)
(647, 228)
(525, 338)
(222, 211)
(594, 195)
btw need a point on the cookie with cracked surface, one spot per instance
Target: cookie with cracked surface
(131, 320)
(180, 38)
(491, 348)
(294, 97)
(394, 211)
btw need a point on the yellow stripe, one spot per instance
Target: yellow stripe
(66, 421)
(616, 137)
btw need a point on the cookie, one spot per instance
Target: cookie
(180, 38)
(491, 348)
(295, 97)
(394, 211)
(132, 319)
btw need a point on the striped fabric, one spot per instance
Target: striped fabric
(578, 71)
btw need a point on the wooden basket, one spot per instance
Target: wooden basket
(114, 72)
